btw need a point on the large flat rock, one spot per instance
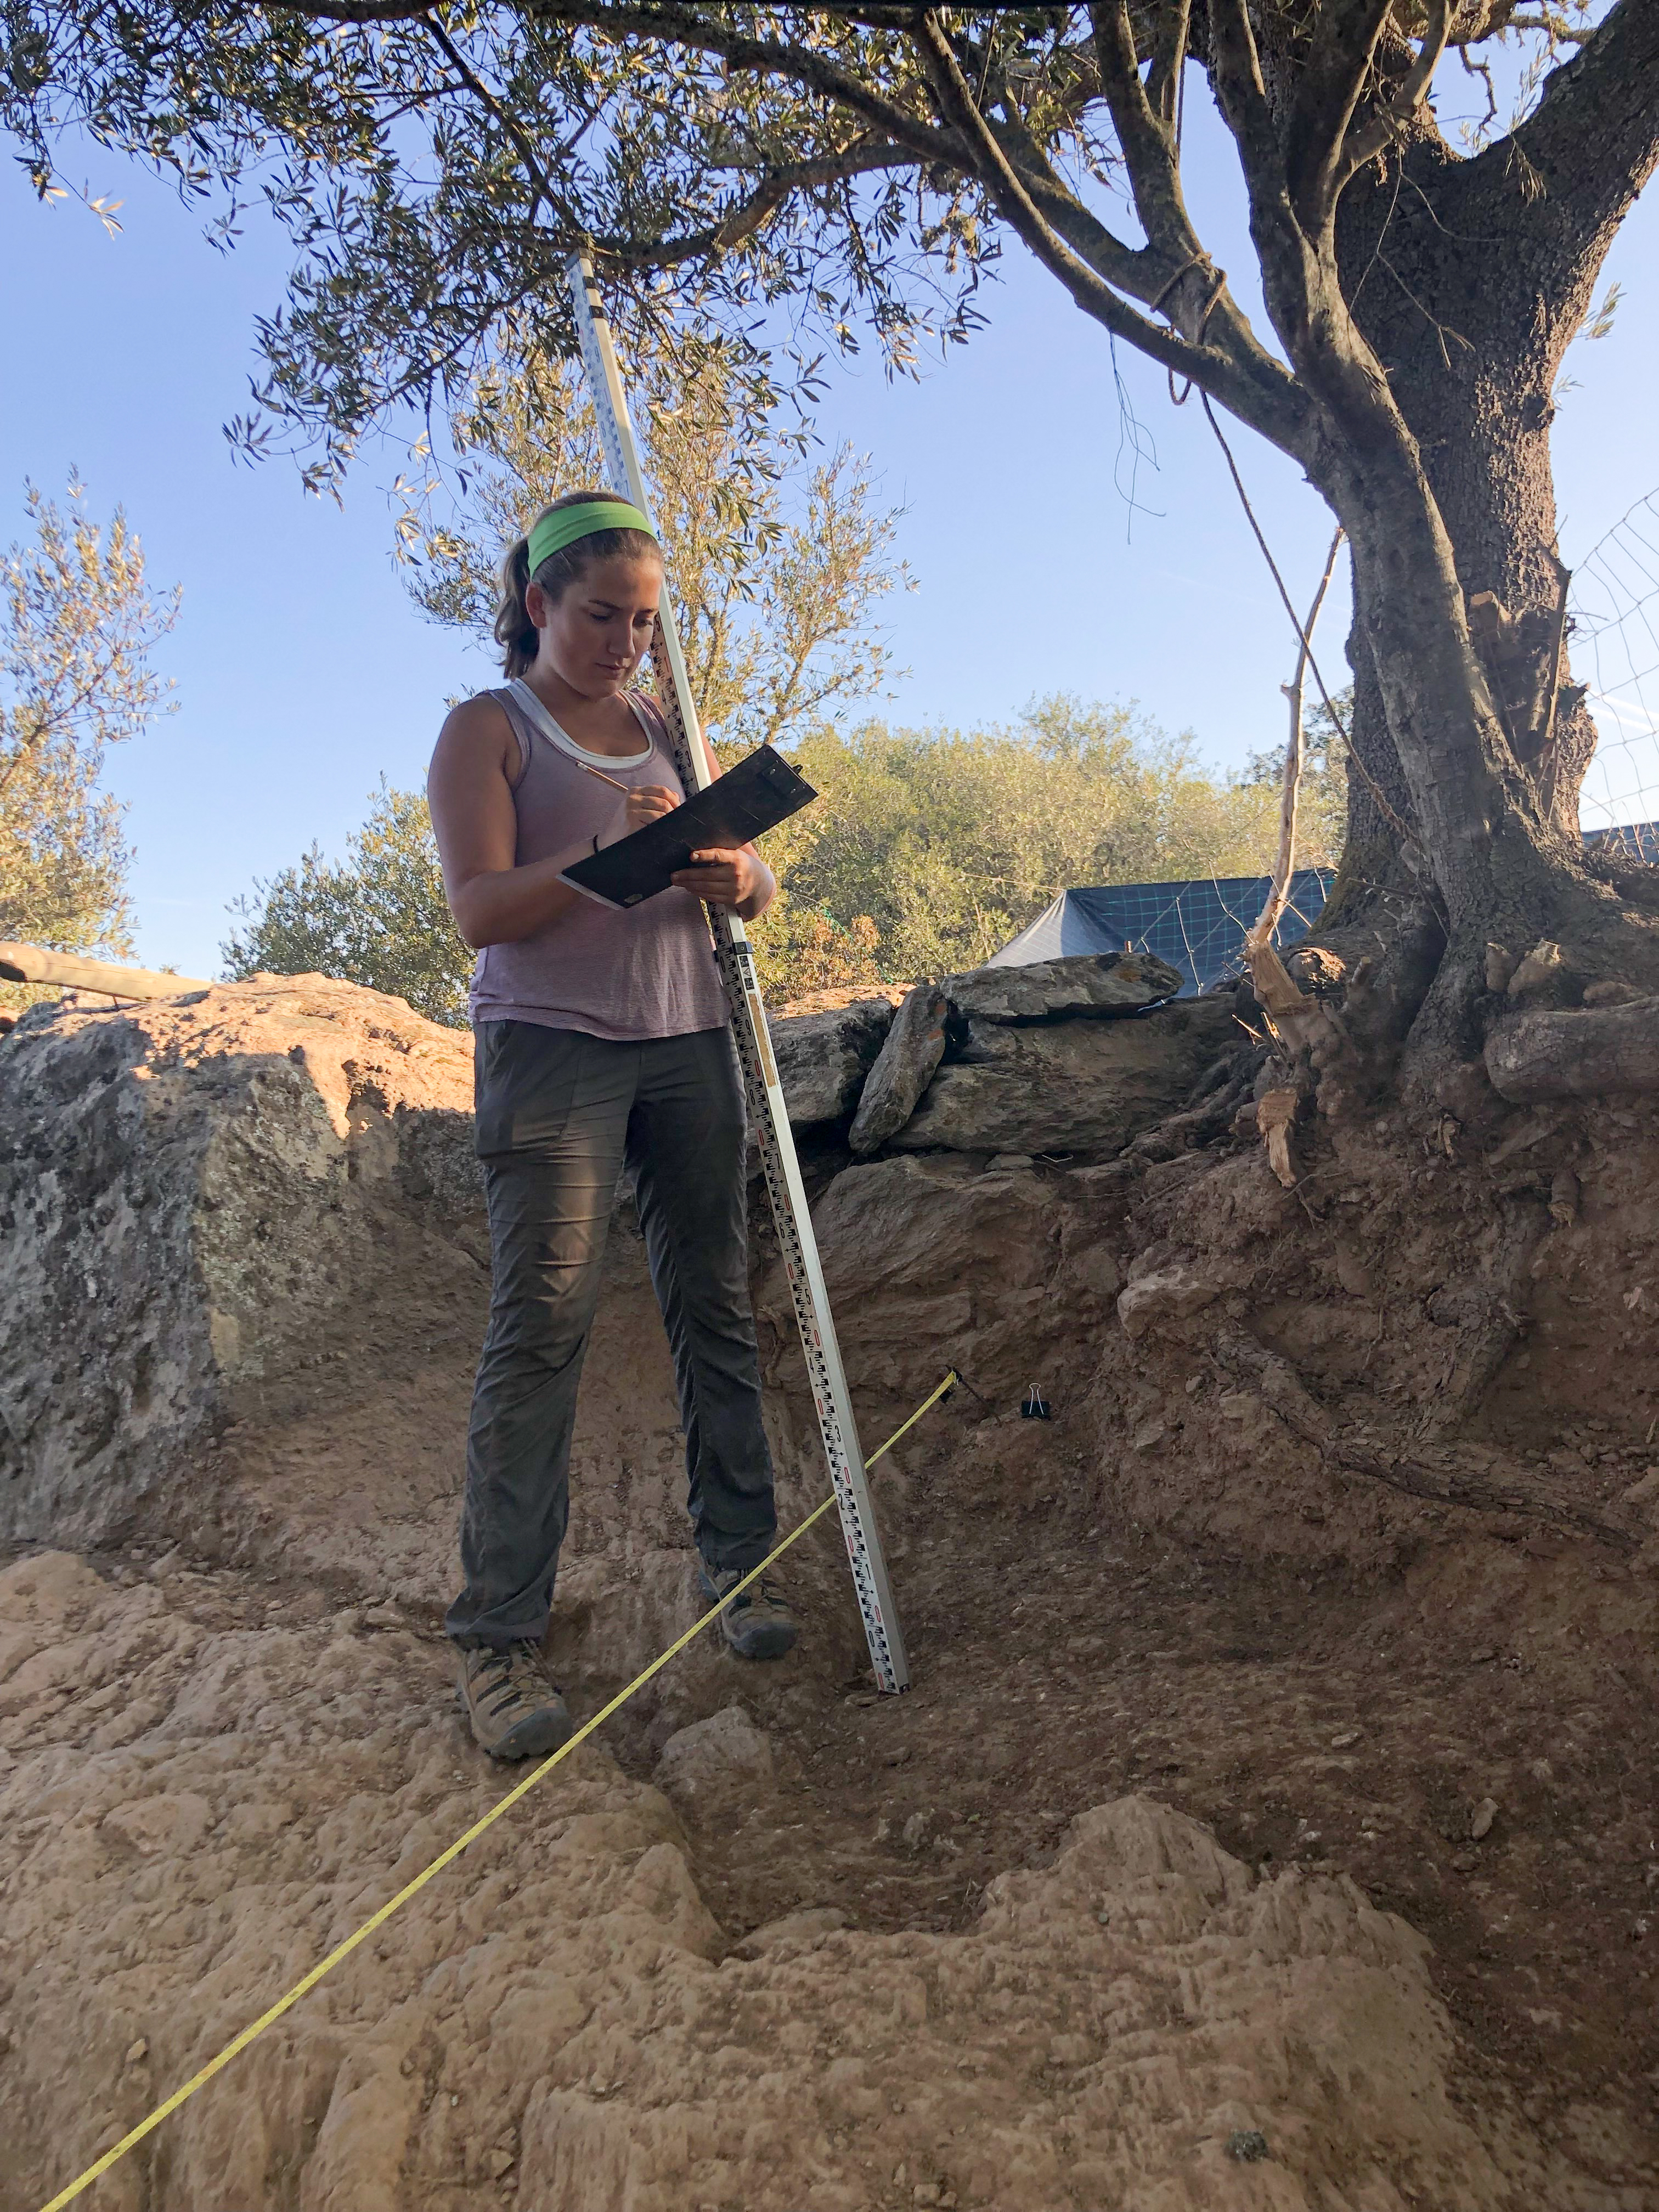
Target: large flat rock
(1071, 1085)
(913, 1048)
(1085, 984)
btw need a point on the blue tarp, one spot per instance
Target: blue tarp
(1635, 840)
(1198, 927)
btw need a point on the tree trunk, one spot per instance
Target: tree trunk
(1432, 270)
(1473, 370)
(1504, 871)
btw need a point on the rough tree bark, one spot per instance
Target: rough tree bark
(1429, 326)
(1470, 293)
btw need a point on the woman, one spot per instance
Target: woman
(602, 1040)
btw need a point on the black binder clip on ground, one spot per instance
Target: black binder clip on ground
(1036, 1408)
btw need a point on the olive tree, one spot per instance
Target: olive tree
(779, 558)
(78, 624)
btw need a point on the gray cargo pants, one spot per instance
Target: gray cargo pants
(559, 1114)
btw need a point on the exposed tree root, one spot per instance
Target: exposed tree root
(1480, 1481)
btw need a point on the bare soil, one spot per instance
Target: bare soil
(1315, 1720)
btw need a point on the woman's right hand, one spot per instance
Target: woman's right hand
(647, 801)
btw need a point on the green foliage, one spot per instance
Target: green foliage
(777, 567)
(435, 166)
(929, 848)
(77, 625)
(378, 918)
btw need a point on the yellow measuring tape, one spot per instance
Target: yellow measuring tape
(308, 1982)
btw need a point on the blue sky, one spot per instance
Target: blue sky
(304, 673)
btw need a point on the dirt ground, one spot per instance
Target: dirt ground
(1314, 1722)
(1308, 1721)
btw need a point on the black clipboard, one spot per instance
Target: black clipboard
(749, 799)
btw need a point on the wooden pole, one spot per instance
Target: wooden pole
(1279, 890)
(33, 964)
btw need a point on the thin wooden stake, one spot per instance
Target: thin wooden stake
(1280, 889)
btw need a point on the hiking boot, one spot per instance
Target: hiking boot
(515, 1710)
(759, 1624)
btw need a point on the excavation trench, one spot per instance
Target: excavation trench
(1258, 1831)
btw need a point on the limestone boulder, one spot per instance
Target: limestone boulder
(823, 1057)
(915, 1046)
(1072, 989)
(726, 1751)
(201, 1200)
(929, 1262)
(1069, 1086)
(1168, 1295)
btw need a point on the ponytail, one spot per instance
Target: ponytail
(515, 633)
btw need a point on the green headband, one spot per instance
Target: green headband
(567, 523)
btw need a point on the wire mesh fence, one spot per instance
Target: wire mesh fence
(1614, 605)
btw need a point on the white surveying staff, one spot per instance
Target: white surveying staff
(768, 1111)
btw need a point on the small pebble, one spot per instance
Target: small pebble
(1249, 2144)
(137, 2052)
(1481, 1820)
(1341, 1742)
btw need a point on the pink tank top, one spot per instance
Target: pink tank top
(646, 972)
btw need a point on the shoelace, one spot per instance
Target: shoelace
(509, 1674)
(764, 1592)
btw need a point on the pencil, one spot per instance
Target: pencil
(603, 778)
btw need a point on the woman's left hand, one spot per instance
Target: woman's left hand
(724, 879)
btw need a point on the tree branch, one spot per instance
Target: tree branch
(1169, 60)
(1236, 73)
(743, 221)
(689, 27)
(1591, 143)
(1153, 161)
(1368, 139)
(1328, 85)
(1265, 396)
(541, 184)
(1148, 141)
(805, 65)
(1138, 271)
(354, 11)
